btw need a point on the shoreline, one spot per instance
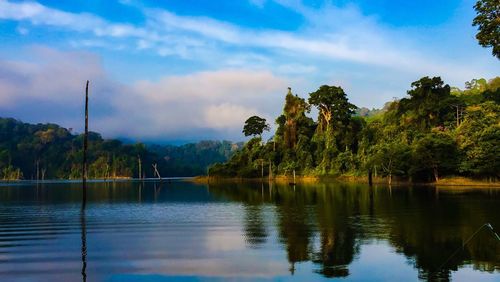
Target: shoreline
(447, 181)
(96, 180)
(281, 179)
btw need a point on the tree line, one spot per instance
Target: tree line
(48, 151)
(435, 131)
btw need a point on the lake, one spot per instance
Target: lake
(181, 231)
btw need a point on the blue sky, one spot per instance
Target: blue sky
(196, 69)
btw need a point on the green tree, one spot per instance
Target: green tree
(392, 157)
(479, 138)
(293, 115)
(428, 105)
(255, 125)
(332, 104)
(488, 23)
(52, 151)
(435, 152)
(335, 130)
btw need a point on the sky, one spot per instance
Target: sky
(177, 71)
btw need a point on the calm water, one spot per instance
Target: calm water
(246, 232)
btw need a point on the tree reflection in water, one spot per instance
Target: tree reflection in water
(417, 222)
(83, 228)
(295, 228)
(255, 228)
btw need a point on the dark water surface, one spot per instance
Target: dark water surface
(178, 231)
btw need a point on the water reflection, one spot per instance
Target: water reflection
(255, 228)
(417, 222)
(243, 231)
(83, 226)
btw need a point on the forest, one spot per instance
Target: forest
(435, 131)
(48, 151)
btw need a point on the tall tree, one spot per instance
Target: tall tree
(255, 125)
(488, 23)
(428, 105)
(332, 104)
(294, 110)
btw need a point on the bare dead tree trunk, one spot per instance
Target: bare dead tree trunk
(436, 174)
(262, 168)
(37, 169)
(370, 180)
(140, 166)
(85, 145)
(155, 166)
(113, 168)
(458, 114)
(106, 173)
(270, 170)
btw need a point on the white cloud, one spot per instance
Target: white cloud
(330, 33)
(217, 101)
(22, 30)
(200, 105)
(227, 115)
(258, 3)
(39, 14)
(55, 75)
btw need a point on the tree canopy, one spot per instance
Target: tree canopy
(434, 132)
(48, 151)
(255, 125)
(488, 22)
(332, 104)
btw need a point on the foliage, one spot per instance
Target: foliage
(488, 23)
(479, 139)
(436, 152)
(48, 151)
(255, 125)
(428, 105)
(332, 104)
(194, 158)
(392, 158)
(435, 131)
(293, 118)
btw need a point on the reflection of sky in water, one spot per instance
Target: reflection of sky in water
(183, 233)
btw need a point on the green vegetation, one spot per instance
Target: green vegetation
(435, 131)
(194, 158)
(488, 23)
(48, 151)
(254, 126)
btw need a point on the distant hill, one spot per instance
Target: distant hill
(365, 112)
(49, 151)
(194, 158)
